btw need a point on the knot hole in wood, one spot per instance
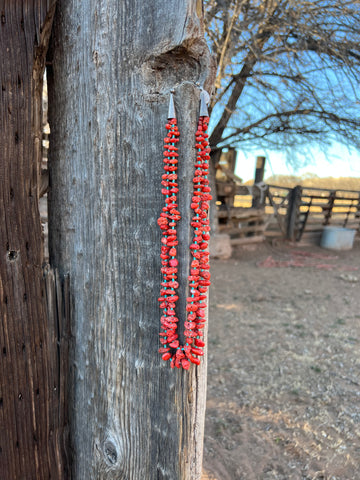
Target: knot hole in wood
(110, 452)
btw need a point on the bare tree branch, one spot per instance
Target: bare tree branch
(289, 71)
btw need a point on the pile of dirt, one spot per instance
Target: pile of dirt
(283, 397)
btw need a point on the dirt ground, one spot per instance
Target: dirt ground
(283, 396)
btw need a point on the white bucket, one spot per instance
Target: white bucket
(337, 238)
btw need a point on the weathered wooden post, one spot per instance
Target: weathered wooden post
(329, 207)
(259, 177)
(30, 406)
(113, 66)
(293, 211)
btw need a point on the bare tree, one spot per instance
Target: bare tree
(287, 72)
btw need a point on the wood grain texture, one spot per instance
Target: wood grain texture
(113, 66)
(28, 380)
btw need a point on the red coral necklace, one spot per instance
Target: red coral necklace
(179, 355)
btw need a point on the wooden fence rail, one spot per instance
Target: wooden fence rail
(294, 213)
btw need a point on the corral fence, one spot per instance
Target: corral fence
(251, 213)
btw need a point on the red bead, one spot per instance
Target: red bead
(189, 325)
(185, 364)
(197, 351)
(163, 350)
(199, 343)
(172, 338)
(166, 356)
(190, 333)
(173, 298)
(194, 360)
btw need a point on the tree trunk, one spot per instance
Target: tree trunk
(30, 439)
(113, 66)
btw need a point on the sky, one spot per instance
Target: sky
(337, 162)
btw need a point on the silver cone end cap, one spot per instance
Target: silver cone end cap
(204, 100)
(171, 113)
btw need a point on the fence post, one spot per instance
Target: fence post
(259, 177)
(293, 211)
(329, 207)
(357, 214)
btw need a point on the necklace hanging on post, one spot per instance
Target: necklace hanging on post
(179, 355)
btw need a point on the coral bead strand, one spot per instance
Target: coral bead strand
(181, 356)
(167, 222)
(199, 277)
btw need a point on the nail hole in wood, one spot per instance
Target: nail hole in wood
(11, 193)
(37, 392)
(5, 300)
(25, 297)
(23, 348)
(27, 246)
(12, 255)
(3, 88)
(1, 402)
(19, 81)
(22, 24)
(4, 351)
(16, 137)
(17, 444)
(3, 18)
